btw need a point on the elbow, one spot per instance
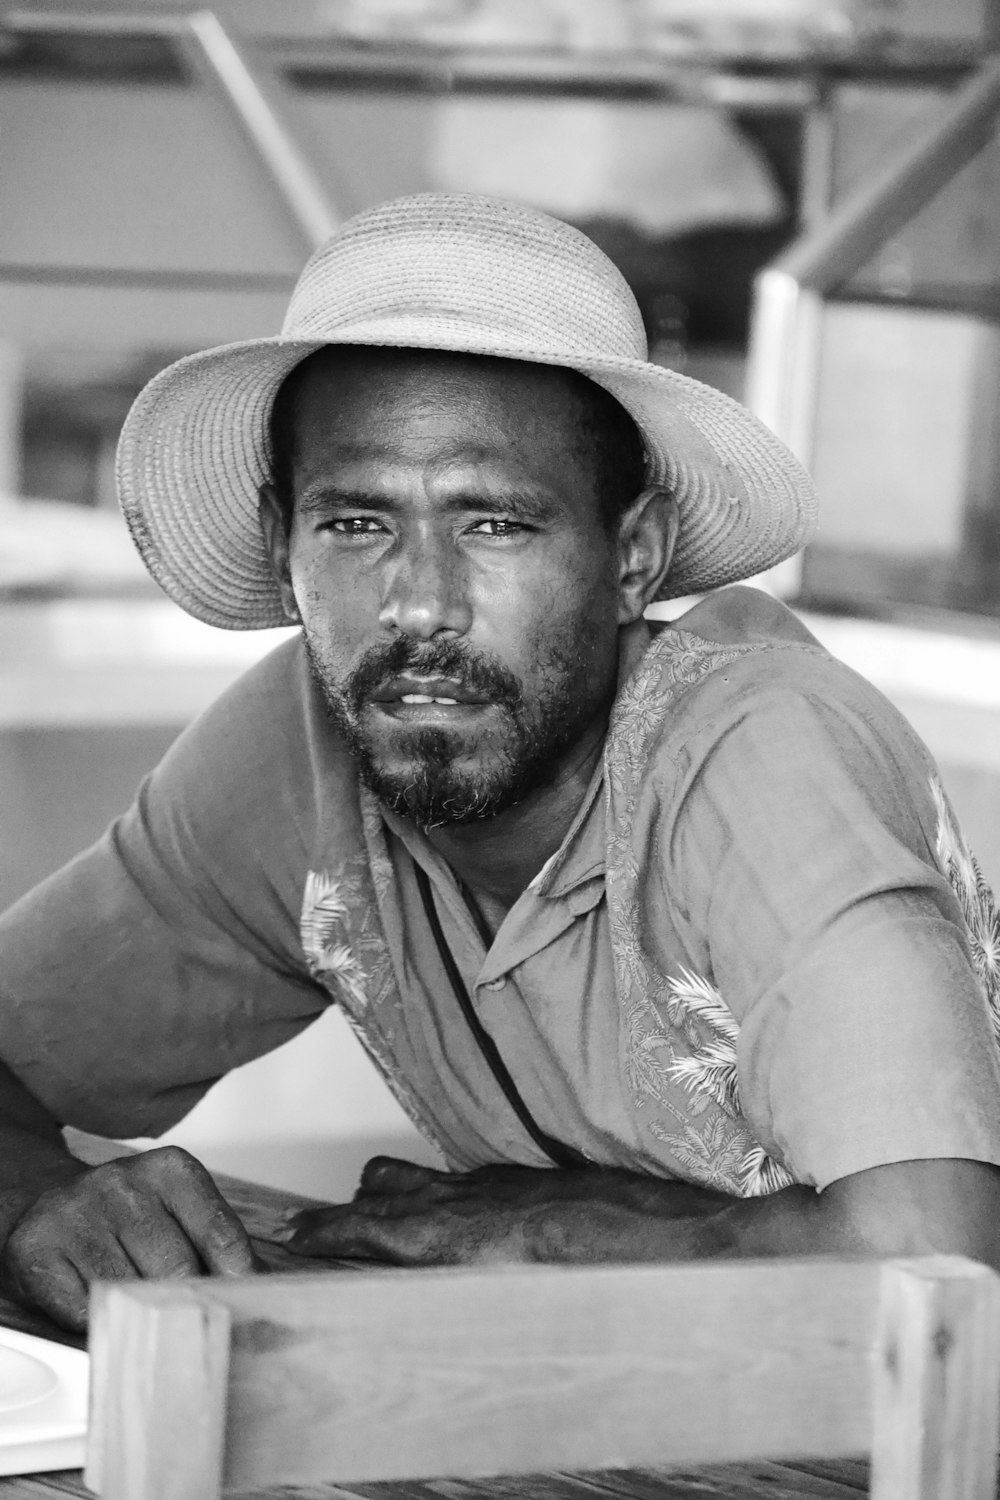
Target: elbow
(949, 1206)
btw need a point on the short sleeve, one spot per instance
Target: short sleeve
(167, 954)
(807, 837)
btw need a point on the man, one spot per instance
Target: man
(667, 937)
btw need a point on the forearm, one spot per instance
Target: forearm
(33, 1154)
(908, 1208)
(947, 1206)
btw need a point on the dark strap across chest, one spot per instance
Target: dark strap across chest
(562, 1155)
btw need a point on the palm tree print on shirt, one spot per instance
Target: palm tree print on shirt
(709, 1074)
(330, 958)
(979, 908)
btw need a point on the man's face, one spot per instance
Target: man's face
(457, 588)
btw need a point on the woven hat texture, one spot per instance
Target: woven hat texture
(455, 272)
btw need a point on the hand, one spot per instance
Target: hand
(155, 1214)
(414, 1216)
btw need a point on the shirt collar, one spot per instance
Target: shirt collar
(583, 852)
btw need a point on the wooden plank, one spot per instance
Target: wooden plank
(729, 1482)
(477, 1372)
(718, 1482)
(158, 1393)
(937, 1393)
(538, 1368)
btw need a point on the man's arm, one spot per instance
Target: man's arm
(130, 980)
(409, 1215)
(63, 1224)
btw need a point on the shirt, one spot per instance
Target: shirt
(762, 954)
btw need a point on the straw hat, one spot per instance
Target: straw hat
(458, 272)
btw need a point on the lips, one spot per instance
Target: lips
(418, 692)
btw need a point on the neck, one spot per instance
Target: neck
(498, 857)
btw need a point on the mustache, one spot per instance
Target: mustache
(477, 672)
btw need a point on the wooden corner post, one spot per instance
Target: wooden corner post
(158, 1401)
(937, 1382)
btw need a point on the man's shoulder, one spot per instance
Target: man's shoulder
(276, 681)
(265, 742)
(724, 652)
(746, 617)
(742, 646)
(765, 732)
(273, 704)
(739, 655)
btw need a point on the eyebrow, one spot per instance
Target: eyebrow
(515, 503)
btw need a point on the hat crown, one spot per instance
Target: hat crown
(461, 270)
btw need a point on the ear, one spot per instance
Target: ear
(276, 539)
(647, 535)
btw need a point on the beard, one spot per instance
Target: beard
(441, 775)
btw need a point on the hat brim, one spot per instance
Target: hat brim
(194, 453)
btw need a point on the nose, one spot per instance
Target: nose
(424, 593)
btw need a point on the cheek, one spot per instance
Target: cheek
(569, 577)
(569, 619)
(337, 605)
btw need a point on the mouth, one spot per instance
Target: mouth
(422, 698)
(436, 699)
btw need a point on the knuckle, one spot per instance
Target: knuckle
(377, 1170)
(110, 1189)
(379, 1163)
(169, 1161)
(112, 1174)
(45, 1226)
(222, 1232)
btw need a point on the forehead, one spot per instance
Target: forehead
(349, 403)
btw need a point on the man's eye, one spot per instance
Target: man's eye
(355, 525)
(498, 526)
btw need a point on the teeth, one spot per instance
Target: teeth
(424, 698)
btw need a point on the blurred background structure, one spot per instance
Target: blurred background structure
(804, 195)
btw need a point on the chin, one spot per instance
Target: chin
(410, 754)
(436, 776)
(436, 792)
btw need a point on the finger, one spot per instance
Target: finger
(58, 1289)
(157, 1245)
(338, 1225)
(384, 1175)
(189, 1195)
(59, 1282)
(349, 1231)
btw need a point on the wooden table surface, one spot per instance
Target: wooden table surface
(262, 1209)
